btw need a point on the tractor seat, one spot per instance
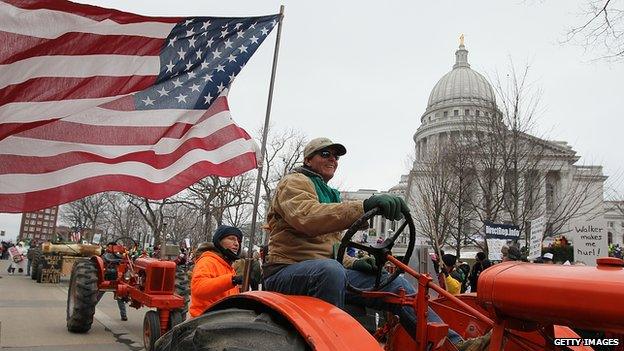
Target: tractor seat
(110, 257)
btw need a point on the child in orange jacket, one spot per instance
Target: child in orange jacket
(213, 275)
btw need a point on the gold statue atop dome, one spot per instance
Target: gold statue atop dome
(461, 40)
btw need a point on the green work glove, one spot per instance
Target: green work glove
(366, 265)
(237, 280)
(391, 206)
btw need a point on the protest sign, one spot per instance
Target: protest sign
(497, 235)
(590, 241)
(51, 270)
(538, 226)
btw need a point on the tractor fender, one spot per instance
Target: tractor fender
(322, 325)
(579, 296)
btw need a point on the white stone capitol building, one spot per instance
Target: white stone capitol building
(552, 186)
(460, 107)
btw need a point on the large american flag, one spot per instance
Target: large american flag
(95, 99)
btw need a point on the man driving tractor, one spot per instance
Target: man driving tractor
(305, 221)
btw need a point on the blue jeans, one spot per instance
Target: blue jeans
(120, 304)
(327, 279)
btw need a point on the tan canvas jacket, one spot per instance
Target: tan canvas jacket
(301, 228)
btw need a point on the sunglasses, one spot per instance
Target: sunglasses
(327, 154)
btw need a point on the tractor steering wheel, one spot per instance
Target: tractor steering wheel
(379, 251)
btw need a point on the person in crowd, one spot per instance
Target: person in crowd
(5, 249)
(213, 275)
(452, 278)
(255, 276)
(511, 253)
(30, 255)
(547, 258)
(464, 268)
(18, 258)
(305, 220)
(481, 264)
(121, 304)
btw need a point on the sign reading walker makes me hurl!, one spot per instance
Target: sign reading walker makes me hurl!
(590, 241)
(497, 235)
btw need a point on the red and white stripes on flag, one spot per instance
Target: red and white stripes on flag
(69, 122)
(76, 236)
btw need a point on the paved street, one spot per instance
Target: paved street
(32, 317)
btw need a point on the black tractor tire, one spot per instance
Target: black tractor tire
(151, 329)
(233, 329)
(82, 296)
(34, 265)
(182, 288)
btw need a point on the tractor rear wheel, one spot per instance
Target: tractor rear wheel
(183, 289)
(233, 329)
(175, 317)
(151, 329)
(34, 265)
(82, 296)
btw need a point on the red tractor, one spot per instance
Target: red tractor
(144, 281)
(519, 306)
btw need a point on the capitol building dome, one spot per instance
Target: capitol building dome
(461, 86)
(460, 96)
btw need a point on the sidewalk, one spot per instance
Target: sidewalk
(32, 317)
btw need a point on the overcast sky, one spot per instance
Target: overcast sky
(360, 73)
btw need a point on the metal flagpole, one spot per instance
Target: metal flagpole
(265, 131)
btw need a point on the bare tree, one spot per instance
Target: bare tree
(601, 29)
(86, 213)
(123, 219)
(213, 198)
(284, 151)
(153, 212)
(431, 184)
(237, 204)
(456, 158)
(514, 167)
(491, 168)
(182, 222)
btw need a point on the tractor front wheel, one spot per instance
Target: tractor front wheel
(233, 329)
(151, 329)
(82, 296)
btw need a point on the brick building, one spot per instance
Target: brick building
(39, 225)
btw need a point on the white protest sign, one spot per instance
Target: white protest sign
(187, 242)
(497, 235)
(494, 249)
(538, 226)
(590, 241)
(96, 238)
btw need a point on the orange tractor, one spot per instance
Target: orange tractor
(142, 282)
(519, 306)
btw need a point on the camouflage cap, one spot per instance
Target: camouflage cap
(321, 143)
